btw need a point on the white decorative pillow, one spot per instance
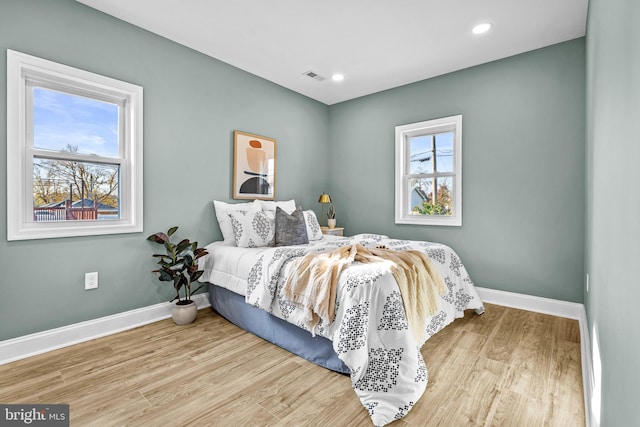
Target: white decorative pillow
(224, 221)
(286, 205)
(253, 229)
(314, 232)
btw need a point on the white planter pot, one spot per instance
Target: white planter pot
(331, 222)
(184, 314)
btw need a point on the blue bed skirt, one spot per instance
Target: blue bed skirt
(233, 307)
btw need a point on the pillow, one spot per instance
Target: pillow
(288, 205)
(224, 221)
(253, 229)
(314, 232)
(290, 229)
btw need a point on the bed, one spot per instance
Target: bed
(369, 339)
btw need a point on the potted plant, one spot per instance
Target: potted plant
(179, 265)
(331, 216)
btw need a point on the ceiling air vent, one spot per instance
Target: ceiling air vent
(314, 76)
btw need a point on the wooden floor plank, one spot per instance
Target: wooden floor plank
(515, 409)
(506, 336)
(486, 323)
(530, 358)
(505, 368)
(36, 366)
(565, 404)
(108, 411)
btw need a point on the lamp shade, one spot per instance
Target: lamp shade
(324, 198)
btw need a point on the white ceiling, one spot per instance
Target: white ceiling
(376, 44)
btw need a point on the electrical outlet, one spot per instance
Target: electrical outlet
(91, 280)
(587, 282)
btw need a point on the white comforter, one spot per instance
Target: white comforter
(370, 332)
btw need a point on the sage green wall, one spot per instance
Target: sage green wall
(613, 205)
(192, 105)
(523, 166)
(523, 163)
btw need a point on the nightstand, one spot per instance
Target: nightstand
(336, 231)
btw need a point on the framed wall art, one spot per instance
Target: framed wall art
(254, 166)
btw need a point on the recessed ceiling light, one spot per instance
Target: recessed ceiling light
(337, 77)
(482, 28)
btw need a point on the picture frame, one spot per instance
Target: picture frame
(254, 166)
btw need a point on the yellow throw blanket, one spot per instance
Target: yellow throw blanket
(313, 282)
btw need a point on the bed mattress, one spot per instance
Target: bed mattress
(229, 266)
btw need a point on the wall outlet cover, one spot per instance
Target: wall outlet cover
(91, 280)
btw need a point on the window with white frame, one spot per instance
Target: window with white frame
(74, 151)
(429, 172)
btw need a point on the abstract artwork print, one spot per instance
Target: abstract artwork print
(254, 166)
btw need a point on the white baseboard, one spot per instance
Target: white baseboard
(570, 310)
(42, 342)
(588, 381)
(554, 307)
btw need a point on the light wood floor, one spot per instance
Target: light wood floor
(505, 368)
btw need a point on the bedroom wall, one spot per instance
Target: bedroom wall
(523, 145)
(523, 167)
(613, 206)
(192, 105)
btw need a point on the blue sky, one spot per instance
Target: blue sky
(61, 119)
(444, 153)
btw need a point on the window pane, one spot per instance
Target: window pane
(65, 122)
(443, 143)
(423, 201)
(420, 154)
(65, 190)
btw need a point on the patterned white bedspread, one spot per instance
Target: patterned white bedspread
(370, 331)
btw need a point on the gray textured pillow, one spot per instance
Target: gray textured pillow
(290, 229)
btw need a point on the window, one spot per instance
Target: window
(429, 172)
(74, 151)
